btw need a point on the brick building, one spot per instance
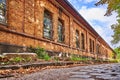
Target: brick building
(51, 24)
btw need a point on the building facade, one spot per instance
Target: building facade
(51, 24)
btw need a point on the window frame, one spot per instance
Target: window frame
(91, 45)
(50, 31)
(77, 37)
(82, 41)
(62, 35)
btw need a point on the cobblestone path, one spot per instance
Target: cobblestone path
(98, 72)
(92, 72)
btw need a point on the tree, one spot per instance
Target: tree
(113, 5)
(117, 50)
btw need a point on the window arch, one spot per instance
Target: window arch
(77, 39)
(82, 41)
(2, 11)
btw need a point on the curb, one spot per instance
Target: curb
(39, 64)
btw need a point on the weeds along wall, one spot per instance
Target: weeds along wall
(25, 27)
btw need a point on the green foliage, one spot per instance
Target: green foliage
(75, 58)
(117, 50)
(56, 58)
(42, 54)
(28, 59)
(115, 61)
(116, 36)
(46, 57)
(113, 5)
(6, 60)
(17, 59)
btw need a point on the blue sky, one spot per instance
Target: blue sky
(94, 15)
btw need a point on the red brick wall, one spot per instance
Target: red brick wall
(26, 17)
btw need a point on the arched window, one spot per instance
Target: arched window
(82, 41)
(60, 31)
(47, 30)
(77, 39)
(2, 11)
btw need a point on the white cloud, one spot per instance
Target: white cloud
(95, 17)
(89, 1)
(97, 14)
(104, 32)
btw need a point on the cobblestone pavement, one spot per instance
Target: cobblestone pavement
(92, 72)
(97, 72)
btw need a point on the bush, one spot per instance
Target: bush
(41, 53)
(46, 57)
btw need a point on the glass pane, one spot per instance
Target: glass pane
(77, 39)
(2, 10)
(47, 25)
(83, 44)
(60, 31)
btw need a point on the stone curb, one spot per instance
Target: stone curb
(39, 64)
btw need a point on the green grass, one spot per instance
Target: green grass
(74, 58)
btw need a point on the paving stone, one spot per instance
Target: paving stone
(86, 70)
(99, 70)
(74, 79)
(79, 73)
(81, 79)
(80, 76)
(118, 78)
(106, 77)
(113, 73)
(96, 74)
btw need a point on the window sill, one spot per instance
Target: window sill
(61, 42)
(78, 48)
(46, 38)
(83, 50)
(4, 24)
(92, 52)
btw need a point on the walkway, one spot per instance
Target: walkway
(92, 72)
